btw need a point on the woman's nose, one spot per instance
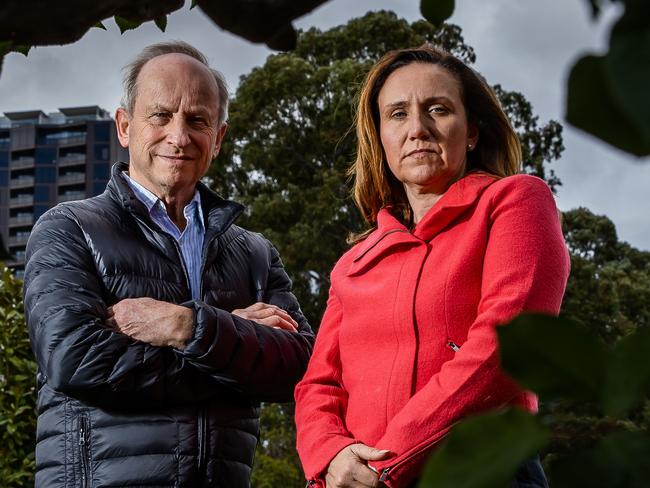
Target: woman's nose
(419, 127)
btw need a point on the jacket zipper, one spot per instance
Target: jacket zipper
(158, 230)
(84, 431)
(202, 441)
(310, 483)
(417, 450)
(453, 346)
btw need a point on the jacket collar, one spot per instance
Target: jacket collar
(219, 213)
(392, 234)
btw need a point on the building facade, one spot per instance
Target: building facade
(46, 159)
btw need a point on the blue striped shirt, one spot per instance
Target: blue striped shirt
(190, 240)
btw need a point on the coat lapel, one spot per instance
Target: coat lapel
(392, 235)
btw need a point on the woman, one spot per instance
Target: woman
(459, 242)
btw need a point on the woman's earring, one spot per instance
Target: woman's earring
(469, 147)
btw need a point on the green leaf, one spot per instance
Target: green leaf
(437, 11)
(194, 4)
(5, 47)
(556, 358)
(595, 6)
(627, 378)
(126, 24)
(485, 451)
(161, 22)
(21, 48)
(100, 25)
(618, 461)
(607, 95)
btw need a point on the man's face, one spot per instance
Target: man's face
(173, 132)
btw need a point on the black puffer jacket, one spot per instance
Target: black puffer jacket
(117, 412)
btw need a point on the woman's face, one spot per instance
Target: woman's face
(423, 127)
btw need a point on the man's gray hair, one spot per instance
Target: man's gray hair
(132, 70)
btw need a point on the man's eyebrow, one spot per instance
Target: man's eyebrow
(156, 107)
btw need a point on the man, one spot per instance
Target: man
(158, 325)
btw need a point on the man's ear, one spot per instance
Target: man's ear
(122, 124)
(217, 142)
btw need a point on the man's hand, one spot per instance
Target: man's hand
(349, 468)
(152, 321)
(268, 315)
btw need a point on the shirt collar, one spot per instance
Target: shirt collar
(191, 211)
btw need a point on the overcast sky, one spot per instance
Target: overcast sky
(525, 45)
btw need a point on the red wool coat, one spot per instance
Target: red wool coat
(407, 345)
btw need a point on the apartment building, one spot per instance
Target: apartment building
(50, 158)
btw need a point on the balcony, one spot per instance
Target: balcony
(18, 240)
(21, 182)
(21, 201)
(20, 163)
(18, 259)
(72, 141)
(72, 195)
(20, 220)
(71, 160)
(72, 178)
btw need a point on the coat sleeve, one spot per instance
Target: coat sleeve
(264, 363)
(525, 268)
(76, 352)
(321, 400)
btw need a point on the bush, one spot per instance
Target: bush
(17, 389)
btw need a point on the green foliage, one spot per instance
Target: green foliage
(617, 461)
(161, 22)
(609, 285)
(437, 11)
(553, 357)
(276, 460)
(561, 361)
(17, 389)
(485, 451)
(126, 24)
(607, 95)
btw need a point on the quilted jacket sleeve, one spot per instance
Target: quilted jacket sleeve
(77, 353)
(265, 363)
(525, 268)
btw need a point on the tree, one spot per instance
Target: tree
(609, 286)
(288, 150)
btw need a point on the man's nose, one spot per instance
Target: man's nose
(178, 132)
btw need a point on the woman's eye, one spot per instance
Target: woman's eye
(438, 109)
(398, 114)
